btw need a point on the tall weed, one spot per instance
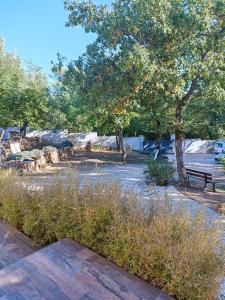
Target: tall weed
(178, 253)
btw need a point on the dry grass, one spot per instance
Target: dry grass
(177, 253)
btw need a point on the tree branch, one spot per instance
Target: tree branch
(191, 90)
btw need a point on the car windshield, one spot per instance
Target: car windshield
(219, 145)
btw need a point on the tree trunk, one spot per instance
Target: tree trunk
(179, 132)
(159, 137)
(122, 146)
(118, 141)
(24, 129)
(179, 135)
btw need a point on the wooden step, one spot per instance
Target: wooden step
(13, 245)
(65, 270)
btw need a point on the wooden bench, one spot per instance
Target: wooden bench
(207, 177)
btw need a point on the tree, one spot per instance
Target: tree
(205, 117)
(159, 114)
(182, 42)
(24, 92)
(104, 87)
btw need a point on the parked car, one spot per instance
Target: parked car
(219, 157)
(219, 147)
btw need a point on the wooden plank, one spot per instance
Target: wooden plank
(196, 175)
(129, 281)
(198, 172)
(13, 245)
(66, 270)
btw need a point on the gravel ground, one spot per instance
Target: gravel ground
(131, 178)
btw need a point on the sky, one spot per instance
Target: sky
(35, 30)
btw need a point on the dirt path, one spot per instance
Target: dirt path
(106, 157)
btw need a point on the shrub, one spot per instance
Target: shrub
(159, 171)
(178, 253)
(223, 162)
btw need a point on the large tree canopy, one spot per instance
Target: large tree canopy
(24, 93)
(172, 51)
(105, 86)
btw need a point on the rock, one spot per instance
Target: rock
(221, 208)
(51, 154)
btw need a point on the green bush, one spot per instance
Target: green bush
(159, 172)
(177, 253)
(223, 162)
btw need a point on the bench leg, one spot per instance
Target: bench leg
(214, 188)
(188, 178)
(205, 185)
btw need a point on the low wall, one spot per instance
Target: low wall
(199, 146)
(134, 143)
(81, 139)
(49, 136)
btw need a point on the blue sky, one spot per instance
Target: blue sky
(36, 30)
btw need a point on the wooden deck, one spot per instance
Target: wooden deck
(13, 245)
(65, 270)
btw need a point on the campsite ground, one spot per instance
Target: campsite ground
(106, 165)
(206, 163)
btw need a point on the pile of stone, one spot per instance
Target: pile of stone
(29, 162)
(23, 167)
(26, 155)
(29, 143)
(26, 162)
(51, 154)
(65, 149)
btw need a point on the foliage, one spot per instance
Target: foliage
(88, 78)
(24, 92)
(165, 54)
(68, 111)
(175, 252)
(222, 161)
(159, 171)
(205, 117)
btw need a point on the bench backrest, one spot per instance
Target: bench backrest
(199, 174)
